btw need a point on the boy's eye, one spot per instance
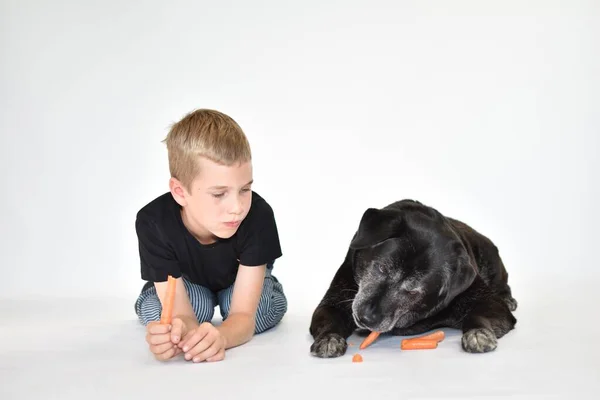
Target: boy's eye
(218, 195)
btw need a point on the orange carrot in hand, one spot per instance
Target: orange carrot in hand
(167, 310)
(418, 344)
(368, 340)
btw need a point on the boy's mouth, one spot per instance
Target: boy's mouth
(232, 224)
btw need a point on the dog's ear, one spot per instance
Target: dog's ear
(462, 272)
(376, 225)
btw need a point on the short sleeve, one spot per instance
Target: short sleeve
(157, 259)
(260, 239)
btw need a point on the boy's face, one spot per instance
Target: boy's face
(218, 200)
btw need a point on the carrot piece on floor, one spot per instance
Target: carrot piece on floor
(368, 340)
(437, 336)
(167, 310)
(418, 344)
(357, 358)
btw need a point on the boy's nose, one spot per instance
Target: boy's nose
(236, 207)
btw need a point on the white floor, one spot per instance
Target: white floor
(95, 349)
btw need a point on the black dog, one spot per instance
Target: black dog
(408, 270)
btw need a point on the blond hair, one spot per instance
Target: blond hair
(204, 133)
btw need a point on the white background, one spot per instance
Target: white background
(488, 111)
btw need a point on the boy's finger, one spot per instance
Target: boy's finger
(156, 328)
(166, 355)
(193, 339)
(209, 352)
(158, 339)
(176, 330)
(161, 348)
(204, 344)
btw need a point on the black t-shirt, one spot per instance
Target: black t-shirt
(166, 247)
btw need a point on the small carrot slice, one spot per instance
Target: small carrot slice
(437, 336)
(357, 358)
(368, 340)
(418, 344)
(167, 310)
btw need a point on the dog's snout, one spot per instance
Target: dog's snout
(370, 315)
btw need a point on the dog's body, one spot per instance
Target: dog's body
(408, 270)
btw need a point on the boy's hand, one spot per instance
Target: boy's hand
(158, 337)
(181, 326)
(163, 339)
(205, 343)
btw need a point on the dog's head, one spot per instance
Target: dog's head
(408, 264)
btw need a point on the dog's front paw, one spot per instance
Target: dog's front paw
(479, 341)
(328, 346)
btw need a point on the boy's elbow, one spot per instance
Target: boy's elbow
(241, 328)
(249, 324)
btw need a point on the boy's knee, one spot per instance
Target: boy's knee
(272, 307)
(202, 301)
(148, 307)
(225, 302)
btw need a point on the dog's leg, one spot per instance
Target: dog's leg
(487, 320)
(494, 272)
(332, 320)
(503, 290)
(499, 281)
(505, 293)
(485, 324)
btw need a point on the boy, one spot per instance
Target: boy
(216, 236)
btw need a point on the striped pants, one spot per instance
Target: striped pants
(271, 308)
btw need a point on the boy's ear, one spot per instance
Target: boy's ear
(178, 191)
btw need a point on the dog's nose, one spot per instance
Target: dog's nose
(370, 314)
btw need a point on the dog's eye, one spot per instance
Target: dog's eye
(382, 269)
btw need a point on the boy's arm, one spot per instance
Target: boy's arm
(239, 326)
